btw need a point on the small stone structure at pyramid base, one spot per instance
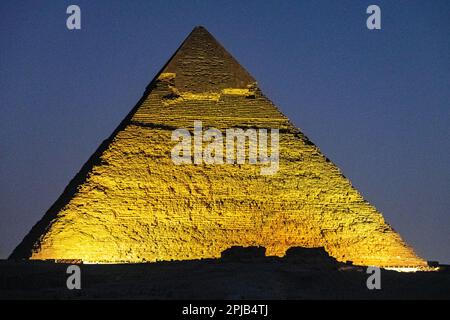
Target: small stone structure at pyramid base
(310, 257)
(131, 203)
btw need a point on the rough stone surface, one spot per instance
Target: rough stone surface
(130, 203)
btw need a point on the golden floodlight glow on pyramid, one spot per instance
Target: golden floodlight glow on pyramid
(130, 203)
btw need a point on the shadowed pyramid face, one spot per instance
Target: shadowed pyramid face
(132, 203)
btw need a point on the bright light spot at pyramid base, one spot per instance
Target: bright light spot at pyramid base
(411, 269)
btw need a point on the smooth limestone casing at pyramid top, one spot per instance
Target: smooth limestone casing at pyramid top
(131, 203)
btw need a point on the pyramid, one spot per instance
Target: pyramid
(131, 203)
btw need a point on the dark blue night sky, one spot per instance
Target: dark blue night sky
(377, 103)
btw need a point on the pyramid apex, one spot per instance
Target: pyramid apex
(202, 64)
(198, 30)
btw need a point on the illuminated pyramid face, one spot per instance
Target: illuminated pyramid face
(132, 203)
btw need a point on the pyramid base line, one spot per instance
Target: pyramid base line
(318, 256)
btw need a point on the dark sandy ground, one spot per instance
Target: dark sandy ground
(241, 275)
